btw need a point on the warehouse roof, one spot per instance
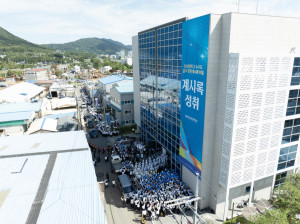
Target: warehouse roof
(20, 107)
(48, 178)
(16, 116)
(21, 92)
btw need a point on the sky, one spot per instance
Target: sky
(62, 21)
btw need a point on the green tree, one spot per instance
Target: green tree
(288, 196)
(275, 216)
(58, 73)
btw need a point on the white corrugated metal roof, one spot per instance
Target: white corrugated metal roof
(72, 194)
(16, 116)
(20, 92)
(20, 107)
(46, 124)
(43, 142)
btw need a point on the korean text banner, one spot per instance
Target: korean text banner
(195, 35)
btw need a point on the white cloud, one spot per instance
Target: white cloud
(56, 21)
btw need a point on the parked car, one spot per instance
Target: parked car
(94, 133)
(87, 116)
(90, 123)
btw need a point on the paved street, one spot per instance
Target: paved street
(116, 213)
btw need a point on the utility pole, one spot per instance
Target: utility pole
(196, 195)
(232, 212)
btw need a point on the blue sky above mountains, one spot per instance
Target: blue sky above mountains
(56, 21)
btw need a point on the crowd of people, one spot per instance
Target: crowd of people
(154, 183)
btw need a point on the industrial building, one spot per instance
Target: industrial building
(22, 92)
(220, 94)
(49, 178)
(35, 74)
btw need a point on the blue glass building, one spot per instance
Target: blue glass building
(160, 77)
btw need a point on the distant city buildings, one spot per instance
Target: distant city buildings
(219, 93)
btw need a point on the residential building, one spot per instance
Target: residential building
(76, 68)
(35, 74)
(219, 93)
(49, 178)
(122, 103)
(105, 69)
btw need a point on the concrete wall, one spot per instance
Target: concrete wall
(14, 130)
(136, 81)
(127, 107)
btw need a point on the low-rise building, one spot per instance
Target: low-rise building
(122, 103)
(107, 83)
(35, 74)
(43, 125)
(15, 123)
(105, 69)
(22, 92)
(49, 178)
(59, 89)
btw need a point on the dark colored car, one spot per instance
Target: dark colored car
(94, 133)
(90, 123)
(87, 117)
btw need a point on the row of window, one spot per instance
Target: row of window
(287, 157)
(296, 73)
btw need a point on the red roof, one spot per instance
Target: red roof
(38, 69)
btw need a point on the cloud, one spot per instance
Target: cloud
(56, 21)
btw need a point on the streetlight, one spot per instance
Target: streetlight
(196, 195)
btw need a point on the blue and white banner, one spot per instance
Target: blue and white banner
(195, 36)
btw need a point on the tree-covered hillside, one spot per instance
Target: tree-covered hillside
(92, 45)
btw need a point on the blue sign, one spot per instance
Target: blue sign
(195, 35)
(107, 118)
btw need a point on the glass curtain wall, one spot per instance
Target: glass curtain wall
(160, 80)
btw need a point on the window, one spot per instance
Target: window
(291, 131)
(296, 73)
(127, 111)
(293, 106)
(128, 122)
(280, 178)
(127, 102)
(287, 157)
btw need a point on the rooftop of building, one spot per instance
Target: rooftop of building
(35, 70)
(21, 92)
(20, 107)
(114, 78)
(17, 116)
(49, 178)
(44, 81)
(44, 124)
(125, 87)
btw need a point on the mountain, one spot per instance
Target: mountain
(11, 43)
(91, 45)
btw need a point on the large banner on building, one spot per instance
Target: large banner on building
(195, 35)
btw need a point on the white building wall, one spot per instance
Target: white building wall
(236, 33)
(136, 81)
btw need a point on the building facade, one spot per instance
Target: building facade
(220, 94)
(36, 74)
(122, 104)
